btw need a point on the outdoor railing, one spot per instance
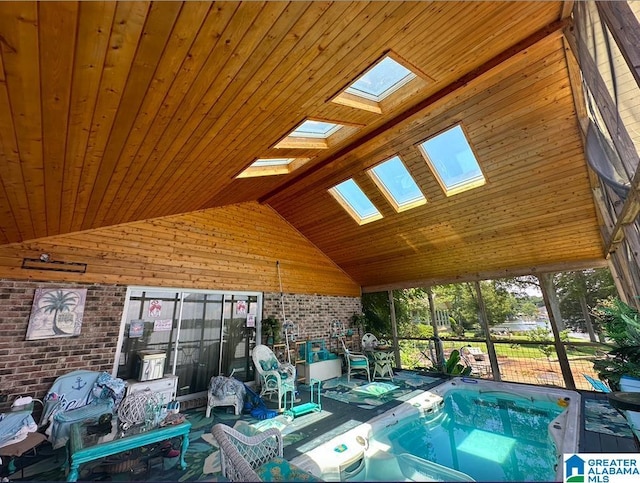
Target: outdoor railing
(530, 362)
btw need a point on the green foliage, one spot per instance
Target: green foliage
(453, 367)
(594, 285)
(621, 325)
(271, 328)
(540, 334)
(415, 329)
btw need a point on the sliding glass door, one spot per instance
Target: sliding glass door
(202, 334)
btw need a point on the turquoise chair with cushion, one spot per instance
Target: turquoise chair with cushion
(255, 457)
(77, 396)
(276, 378)
(355, 362)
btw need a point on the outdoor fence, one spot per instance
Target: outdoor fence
(518, 361)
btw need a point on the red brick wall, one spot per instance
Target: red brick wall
(312, 313)
(28, 368)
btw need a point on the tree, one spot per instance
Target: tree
(579, 292)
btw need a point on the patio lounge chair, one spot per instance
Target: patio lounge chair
(276, 378)
(476, 359)
(255, 458)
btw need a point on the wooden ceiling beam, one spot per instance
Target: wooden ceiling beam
(503, 56)
(491, 275)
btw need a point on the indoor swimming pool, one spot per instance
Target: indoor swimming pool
(463, 430)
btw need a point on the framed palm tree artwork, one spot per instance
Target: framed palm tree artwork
(56, 312)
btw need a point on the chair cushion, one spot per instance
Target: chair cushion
(279, 469)
(270, 364)
(359, 363)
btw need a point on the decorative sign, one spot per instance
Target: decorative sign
(241, 307)
(160, 325)
(155, 308)
(251, 320)
(136, 328)
(56, 313)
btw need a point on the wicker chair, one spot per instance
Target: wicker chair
(275, 377)
(255, 458)
(355, 362)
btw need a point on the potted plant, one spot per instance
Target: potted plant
(271, 330)
(621, 326)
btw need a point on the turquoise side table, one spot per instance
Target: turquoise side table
(84, 447)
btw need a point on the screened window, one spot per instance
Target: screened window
(395, 182)
(450, 157)
(355, 202)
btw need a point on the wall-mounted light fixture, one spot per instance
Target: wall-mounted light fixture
(44, 262)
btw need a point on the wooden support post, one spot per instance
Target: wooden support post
(484, 322)
(432, 311)
(555, 318)
(394, 329)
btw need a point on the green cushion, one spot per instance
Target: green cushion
(279, 469)
(269, 365)
(362, 363)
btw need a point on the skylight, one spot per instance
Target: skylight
(272, 166)
(395, 182)
(311, 134)
(452, 160)
(315, 129)
(381, 80)
(355, 202)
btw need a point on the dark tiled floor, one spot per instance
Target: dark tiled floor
(341, 414)
(596, 442)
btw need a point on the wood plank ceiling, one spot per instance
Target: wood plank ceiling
(121, 111)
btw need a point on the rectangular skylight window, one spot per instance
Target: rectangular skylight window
(355, 202)
(381, 80)
(315, 129)
(272, 166)
(452, 161)
(315, 134)
(395, 182)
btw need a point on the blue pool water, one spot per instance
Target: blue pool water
(490, 436)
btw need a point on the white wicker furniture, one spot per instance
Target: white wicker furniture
(355, 362)
(383, 364)
(276, 378)
(255, 458)
(225, 391)
(369, 341)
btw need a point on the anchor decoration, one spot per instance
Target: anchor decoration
(79, 383)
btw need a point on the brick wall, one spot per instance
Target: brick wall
(312, 313)
(28, 368)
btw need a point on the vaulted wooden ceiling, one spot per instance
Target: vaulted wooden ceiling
(121, 111)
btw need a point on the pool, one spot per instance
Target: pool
(463, 430)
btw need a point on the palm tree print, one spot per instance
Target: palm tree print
(57, 302)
